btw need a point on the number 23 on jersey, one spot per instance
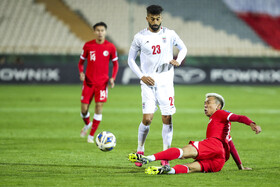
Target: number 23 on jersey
(156, 49)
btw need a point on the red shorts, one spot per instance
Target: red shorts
(211, 154)
(100, 93)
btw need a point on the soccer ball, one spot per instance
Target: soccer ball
(105, 141)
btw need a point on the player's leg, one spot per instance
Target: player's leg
(178, 169)
(97, 118)
(85, 113)
(173, 153)
(148, 109)
(87, 95)
(167, 134)
(167, 131)
(143, 131)
(101, 95)
(165, 95)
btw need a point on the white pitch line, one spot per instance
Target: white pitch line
(127, 110)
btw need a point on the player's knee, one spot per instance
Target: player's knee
(84, 108)
(166, 119)
(194, 167)
(98, 108)
(189, 151)
(147, 121)
(84, 111)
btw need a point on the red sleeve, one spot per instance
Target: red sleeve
(115, 69)
(81, 65)
(83, 57)
(234, 153)
(240, 119)
(114, 58)
(114, 54)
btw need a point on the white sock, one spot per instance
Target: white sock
(172, 171)
(90, 137)
(97, 117)
(167, 134)
(143, 131)
(151, 157)
(88, 125)
(86, 116)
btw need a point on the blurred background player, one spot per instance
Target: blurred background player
(210, 154)
(155, 44)
(98, 53)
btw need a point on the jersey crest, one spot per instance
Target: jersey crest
(164, 39)
(105, 53)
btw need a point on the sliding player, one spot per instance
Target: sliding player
(210, 154)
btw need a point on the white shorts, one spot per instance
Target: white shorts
(162, 95)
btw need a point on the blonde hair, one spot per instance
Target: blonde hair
(218, 97)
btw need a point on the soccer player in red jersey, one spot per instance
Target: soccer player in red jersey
(98, 53)
(211, 153)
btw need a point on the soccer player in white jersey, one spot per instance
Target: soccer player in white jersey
(156, 73)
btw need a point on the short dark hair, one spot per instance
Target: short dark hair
(99, 24)
(154, 9)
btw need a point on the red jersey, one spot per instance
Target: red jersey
(220, 124)
(98, 57)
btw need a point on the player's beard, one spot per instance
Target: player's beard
(154, 27)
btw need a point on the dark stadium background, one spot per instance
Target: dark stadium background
(229, 42)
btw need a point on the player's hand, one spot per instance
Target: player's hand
(112, 82)
(148, 80)
(174, 63)
(241, 167)
(255, 128)
(246, 168)
(82, 76)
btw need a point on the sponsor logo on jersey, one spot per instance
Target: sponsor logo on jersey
(105, 53)
(92, 55)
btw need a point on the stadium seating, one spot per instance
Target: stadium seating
(207, 27)
(26, 28)
(264, 18)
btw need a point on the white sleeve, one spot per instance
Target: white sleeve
(132, 55)
(182, 48)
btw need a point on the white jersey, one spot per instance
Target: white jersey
(156, 51)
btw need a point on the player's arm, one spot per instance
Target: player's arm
(115, 72)
(245, 120)
(236, 157)
(81, 69)
(182, 51)
(81, 65)
(134, 67)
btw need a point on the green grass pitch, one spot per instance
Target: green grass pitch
(40, 142)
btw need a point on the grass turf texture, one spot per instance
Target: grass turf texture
(40, 143)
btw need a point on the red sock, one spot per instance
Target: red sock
(181, 169)
(94, 127)
(86, 120)
(168, 154)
